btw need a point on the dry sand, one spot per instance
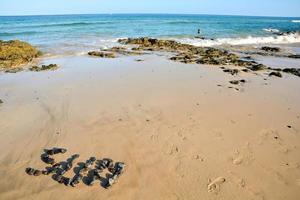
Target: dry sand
(181, 135)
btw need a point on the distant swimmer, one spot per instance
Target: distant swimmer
(199, 31)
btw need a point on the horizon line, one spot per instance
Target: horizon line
(28, 15)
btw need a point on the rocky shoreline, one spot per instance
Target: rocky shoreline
(16, 53)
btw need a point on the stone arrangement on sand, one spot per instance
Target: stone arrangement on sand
(87, 172)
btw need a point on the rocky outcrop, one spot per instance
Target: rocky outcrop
(14, 53)
(191, 54)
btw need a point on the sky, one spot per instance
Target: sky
(222, 7)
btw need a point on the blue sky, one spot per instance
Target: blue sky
(227, 7)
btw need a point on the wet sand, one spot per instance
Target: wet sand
(181, 131)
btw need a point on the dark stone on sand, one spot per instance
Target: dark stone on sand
(231, 71)
(55, 151)
(1, 101)
(46, 159)
(14, 53)
(102, 54)
(44, 68)
(258, 67)
(33, 172)
(270, 49)
(277, 74)
(296, 56)
(13, 70)
(294, 71)
(236, 82)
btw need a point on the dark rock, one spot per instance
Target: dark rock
(46, 159)
(231, 71)
(1, 101)
(55, 151)
(44, 68)
(296, 56)
(101, 54)
(76, 180)
(33, 172)
(258, 67)
(294, 71)
(277, 74)
(270, 49)
(236, 82)
(13, 70)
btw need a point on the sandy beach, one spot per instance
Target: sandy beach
(183, 130)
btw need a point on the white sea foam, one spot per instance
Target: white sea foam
(296, 21)
(280, 39)
(271, 30)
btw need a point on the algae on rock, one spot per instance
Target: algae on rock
(15, 52)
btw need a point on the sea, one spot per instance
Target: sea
(76, 34)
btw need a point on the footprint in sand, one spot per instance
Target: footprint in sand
(172, 150)
(244, 155)
(214, 186)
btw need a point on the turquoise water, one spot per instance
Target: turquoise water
(76, 33)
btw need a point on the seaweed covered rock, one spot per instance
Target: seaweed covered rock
(15, 52)
(102, 54)
(44, 68)
(187, 53)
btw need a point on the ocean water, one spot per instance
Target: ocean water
(71, 34)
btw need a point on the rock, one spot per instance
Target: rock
(33, 172)
(258, 67)
(44, 68)
(122, 51)
(55, 151)
(76, 180)
(101, 54)
(236, 82)
(277, 74)
(46, 159)
(1, 101)
(231, 71)
(270, 49)
(294, 71)
(14, 53)
(296, 56)
(13, 70)
(62, 180)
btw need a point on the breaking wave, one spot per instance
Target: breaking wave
(276, 39)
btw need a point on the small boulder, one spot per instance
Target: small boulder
(277, 74)
(102, 54)
(270, 49)
(44, 68)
